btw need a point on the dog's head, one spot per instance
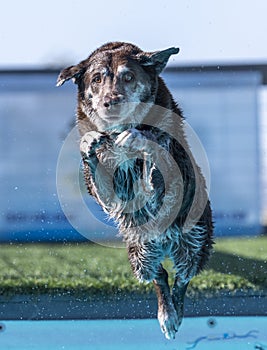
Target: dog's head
(114, 80)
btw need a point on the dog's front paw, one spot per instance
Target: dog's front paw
(133, 143)
(133, 140)
(169, 322)
(88, 140)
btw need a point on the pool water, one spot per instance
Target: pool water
(231, 333)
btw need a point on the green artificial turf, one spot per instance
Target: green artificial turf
(237, 264)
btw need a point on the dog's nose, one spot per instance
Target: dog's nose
(111, 100)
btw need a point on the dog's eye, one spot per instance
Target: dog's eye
(97, 79)
(128, 77)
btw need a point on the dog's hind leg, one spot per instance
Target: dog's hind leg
(145, 262)
(167, 314)
(178, 294)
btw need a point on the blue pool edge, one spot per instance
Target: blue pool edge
(126, 306)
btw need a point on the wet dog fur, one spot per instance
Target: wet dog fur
(118, 87)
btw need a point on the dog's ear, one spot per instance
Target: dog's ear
(158, 59)
(72, 72)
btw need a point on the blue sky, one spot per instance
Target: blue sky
(65, 31)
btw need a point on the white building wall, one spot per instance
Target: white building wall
(36, 117)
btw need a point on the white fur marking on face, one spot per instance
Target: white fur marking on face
(102, 70)
(122, 69)
(136, 96)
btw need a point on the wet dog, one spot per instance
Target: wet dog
(140, 169)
